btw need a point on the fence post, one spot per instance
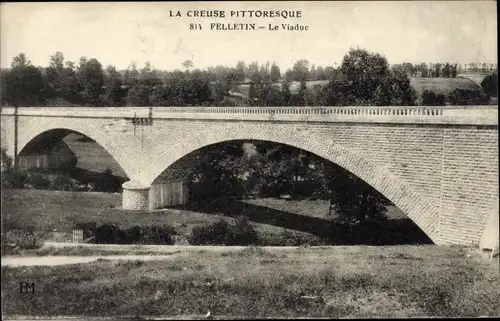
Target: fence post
(77, 236)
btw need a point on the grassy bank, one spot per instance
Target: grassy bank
(331, 282)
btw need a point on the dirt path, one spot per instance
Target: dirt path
(67, 260)
(164, 248)
(156, 253)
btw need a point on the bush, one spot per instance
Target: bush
(108, 182)
(243, 231)
(112, 234)
(151, 234)
(429, 98)
(60, 182)
(37, 180)
(468, 97)
(21, 238)
(221, 232)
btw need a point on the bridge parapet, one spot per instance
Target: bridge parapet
(472, 115)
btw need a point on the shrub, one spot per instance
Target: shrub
(429, 98)
(468, 97)
(37, 180)
(243, 231)
(22, 238)
(112, 234)
(221, 232)
(151, 234)
(6, 169)
(108, 182)
(61, 183)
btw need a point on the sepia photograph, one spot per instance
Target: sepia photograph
(249, 160)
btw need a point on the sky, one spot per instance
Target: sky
(119, 33)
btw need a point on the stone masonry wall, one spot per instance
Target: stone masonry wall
(469, 185)
(135, 199)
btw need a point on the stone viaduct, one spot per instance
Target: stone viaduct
(439, 165)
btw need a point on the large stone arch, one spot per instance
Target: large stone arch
(417, 207)
(31, 133)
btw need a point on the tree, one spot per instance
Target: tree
(437, 70)
(57, 61)
(453, 72)
(114, 93)
(337, 92)
(187, 64)
(408, 68)
(490, 85)
(395, 90)
(217, 172)
(20, 61)
(285, 93)
(300, 70)
(24, 84)
(313, 73)
(253, 72)
(447, 71)
(429, 98)
(365, 79)
(62, 80)
(353, 200)
(138, 95)
(365, 72)
(240, 71)
(70, 65)
(329, 72)
(320, 73)
(131, 74)
(468, 97)
(91, 78)
(275, 73)
(424, 70)
(264, 73)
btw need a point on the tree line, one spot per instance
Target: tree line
(362, 78)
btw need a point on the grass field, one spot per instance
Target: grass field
(398, 281)
(443, 85)
(57, 212)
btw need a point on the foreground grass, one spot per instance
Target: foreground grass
(334, 282)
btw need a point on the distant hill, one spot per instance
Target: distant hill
(475, 77)
(443, 85)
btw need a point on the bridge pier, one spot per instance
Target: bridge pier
(135, 196)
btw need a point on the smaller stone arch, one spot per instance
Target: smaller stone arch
(45, 138)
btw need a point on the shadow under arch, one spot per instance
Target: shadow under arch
(45, 139)
(415, 206)
(54, 143)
